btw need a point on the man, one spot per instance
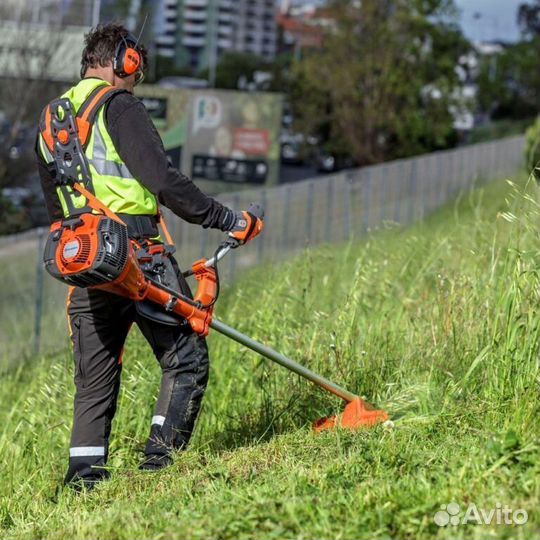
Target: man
(130, 174)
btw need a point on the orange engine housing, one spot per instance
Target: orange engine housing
(95, 251)
(90, 250)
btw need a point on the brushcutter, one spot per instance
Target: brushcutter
(92, 248)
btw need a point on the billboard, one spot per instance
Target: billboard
(222, 139)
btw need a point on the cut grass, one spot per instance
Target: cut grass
(438, 324)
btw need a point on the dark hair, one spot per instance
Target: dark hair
(100, 45)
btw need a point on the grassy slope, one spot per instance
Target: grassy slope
(438, 324)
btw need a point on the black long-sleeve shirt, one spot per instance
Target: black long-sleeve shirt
(139, 145)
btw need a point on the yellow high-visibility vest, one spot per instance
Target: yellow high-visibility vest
(112, 182)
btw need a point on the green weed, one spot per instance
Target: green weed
(438, 324)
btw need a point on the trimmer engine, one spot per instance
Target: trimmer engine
(87, 251)
(94, 250)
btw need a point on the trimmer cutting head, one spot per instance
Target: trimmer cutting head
(357, 414)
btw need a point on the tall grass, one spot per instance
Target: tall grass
(438, 324)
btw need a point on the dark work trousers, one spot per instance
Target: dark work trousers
(99, 323)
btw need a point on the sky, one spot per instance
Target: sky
(497, 21)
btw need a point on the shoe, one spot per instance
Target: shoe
(155, 462)
(85, 477)
(83, 485)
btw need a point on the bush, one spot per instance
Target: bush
(13, 220)
(532, 149)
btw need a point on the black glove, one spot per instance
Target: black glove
(245, 227)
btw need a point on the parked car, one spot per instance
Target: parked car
(331, 162)
(293, 149)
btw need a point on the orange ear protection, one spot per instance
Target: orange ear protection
(127, 59)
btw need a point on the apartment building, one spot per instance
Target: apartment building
(166, 25)
(256, 30)
(193, 31)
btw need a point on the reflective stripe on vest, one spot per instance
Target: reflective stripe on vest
(99, 157)
(112, 182)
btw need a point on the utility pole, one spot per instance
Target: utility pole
(36, 8)
(96, 12)
(133, 13)
(213, 42)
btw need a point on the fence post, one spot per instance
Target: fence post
(382, 195)
(39, 292)
(476, 174)
(449, 175)
(204, 242)
(185, 244)
(438, 190)
(366, 199)
(497, 164)
(432, 181)
(347, 192)
(260, 243)
(232, 260)
(309, 211)
(397, 190)
(286, 217)
(465, 168)
(329, 205)
(493, 160)
(425, 186)
(412, 191)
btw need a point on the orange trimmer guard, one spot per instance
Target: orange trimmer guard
(357, 414)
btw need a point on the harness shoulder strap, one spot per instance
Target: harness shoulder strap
(85, 115)
(89, 109)
(45, 127)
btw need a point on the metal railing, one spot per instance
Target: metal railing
(329, 209)
(350, 204)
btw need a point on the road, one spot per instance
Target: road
(295, 173)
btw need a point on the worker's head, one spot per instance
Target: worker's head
(113, 54)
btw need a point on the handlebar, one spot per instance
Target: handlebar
(225, 248)
(254, 208)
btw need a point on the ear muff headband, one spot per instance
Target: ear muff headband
(127, 60)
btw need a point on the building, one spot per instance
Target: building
(165, 28)
(48, 12)
(256, 29)
(302, 25)
(38, 52)
(205, 30)
(197, 32)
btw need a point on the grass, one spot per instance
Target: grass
(438, 324)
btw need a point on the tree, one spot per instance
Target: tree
(532, 149)
(280, 70)
(382, 84)
(234, 65)
(508, 82)
(529, 19)
(529, 22)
